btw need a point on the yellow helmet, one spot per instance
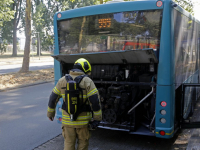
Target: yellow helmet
(83, 65)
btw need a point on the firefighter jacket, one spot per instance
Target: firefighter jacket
(90, 93)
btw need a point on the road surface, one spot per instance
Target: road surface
(23, 121)
(24, 126)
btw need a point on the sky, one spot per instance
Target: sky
(196, 9)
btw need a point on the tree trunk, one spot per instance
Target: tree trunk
(14, 41)
(25, 64)
(15, 35)
(17, 8)
(38, 45)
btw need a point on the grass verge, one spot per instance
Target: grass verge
(17, 79)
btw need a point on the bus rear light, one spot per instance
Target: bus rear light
(159, 3)
(60, 119)
(59, 15)
(163, 120)
(163, 104)
(162, 133)
(163, 112)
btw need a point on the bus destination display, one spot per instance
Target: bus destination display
(104, 23)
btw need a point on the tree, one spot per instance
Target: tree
(17, 7)
(6, 14)
(187, 5)
(11, 26)
(71, 4)
(38, 21)
(105, 1)
(25, 64)
(5, 36)
(42, 17)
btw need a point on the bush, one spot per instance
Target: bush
(3, 46)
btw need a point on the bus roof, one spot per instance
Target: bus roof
(109, 8)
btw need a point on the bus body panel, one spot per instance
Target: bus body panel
(57, 70)
(57, 67)
(165, 89)
(165, 93)
(165, 73)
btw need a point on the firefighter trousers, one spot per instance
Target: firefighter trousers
(71, 134)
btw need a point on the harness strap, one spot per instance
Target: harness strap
(68, 77)
(78, 79)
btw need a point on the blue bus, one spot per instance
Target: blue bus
(145, 63)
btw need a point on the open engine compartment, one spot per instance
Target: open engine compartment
(126, 82)
(122, 86)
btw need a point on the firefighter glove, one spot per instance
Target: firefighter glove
(51, 118)
(94, 124)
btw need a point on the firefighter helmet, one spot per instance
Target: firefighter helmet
(83, 65)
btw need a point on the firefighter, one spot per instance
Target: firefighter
(89, 112)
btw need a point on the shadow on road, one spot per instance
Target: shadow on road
(103, 139)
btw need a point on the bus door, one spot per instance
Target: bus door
(190, 106)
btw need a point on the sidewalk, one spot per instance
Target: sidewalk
(19, 60)
(56, 143)
(40, 71)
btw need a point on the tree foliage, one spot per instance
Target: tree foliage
(111, 0)
(71, 4)
(17, 7)
(6, 14)
(43, 22)
(187, 5)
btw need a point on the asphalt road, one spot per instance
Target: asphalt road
(33, 66)
(24, 126)
(23, 121)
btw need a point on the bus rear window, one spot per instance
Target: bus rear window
(110, 32)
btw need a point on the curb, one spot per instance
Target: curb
(52, 144)
(26, 85)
